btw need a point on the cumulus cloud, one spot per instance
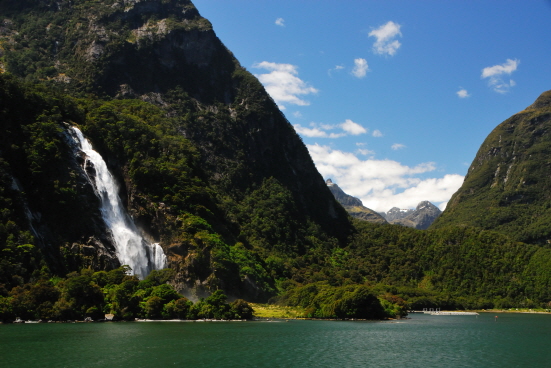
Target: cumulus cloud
(385, 35)
(397, 146)
(317, 130)
(462, 93)
(377, 133)
(383, 184)
(360, 68)
(353, 128)
(496, 75)
(280, 22)
(283, 84)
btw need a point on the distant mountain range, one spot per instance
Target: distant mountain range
(353, 205)
(420, 218)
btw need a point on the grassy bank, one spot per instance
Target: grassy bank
(276, 311)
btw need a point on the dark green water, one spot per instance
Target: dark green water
(515, 340)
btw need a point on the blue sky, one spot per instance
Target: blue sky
(392, 98)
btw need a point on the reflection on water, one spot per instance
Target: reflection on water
(515, 340)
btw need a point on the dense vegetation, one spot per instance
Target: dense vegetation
(507, 187)
(258, 240)
(211, 169)
(89, 294)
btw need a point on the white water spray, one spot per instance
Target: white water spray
(132, 249)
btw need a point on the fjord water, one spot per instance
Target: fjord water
(132, 249)
(514, 340)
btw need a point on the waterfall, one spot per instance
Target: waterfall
(132, 249)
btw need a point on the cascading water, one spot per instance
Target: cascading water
(132, 249)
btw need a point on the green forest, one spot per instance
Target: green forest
(210, 169)
(90, 294)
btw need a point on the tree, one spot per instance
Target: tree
(241, 309)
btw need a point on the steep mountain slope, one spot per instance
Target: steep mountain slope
(214, 173)
(508, 187)
(164, 52)
(353, 205)
(209, 168)
(421, 218)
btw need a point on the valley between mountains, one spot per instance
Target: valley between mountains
(210, 173)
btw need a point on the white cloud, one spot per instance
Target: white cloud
(353, 128)
(317, 130)
(283, 84)
(360, 68)
(377, 133)
(365, 151)
(383, 184)
(385, 43)
(462, 93)
(397, 146)
(335, 69)
(314, 132)
(297, 114)
(280, 22)
(496, 73)
(506, 68)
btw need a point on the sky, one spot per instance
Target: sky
(392, 98)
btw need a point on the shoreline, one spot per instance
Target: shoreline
(513, 311)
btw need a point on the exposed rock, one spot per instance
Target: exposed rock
(420, 218)
(353, 205)
(396, 213)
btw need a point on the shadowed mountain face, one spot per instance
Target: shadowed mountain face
(353, 205)
(233, 169)
(508, 186)
(164, 52)
(208, 168)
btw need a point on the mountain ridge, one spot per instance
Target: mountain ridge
(420, 218)
(243, 146)
(506, 187)
(209, 167)
(353, 205)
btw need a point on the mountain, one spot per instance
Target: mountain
(421, 218)
(507, 187)
(353, 205)
(206, 168)
(207, 165)
(396, 213)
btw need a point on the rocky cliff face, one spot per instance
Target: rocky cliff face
(353, 205)
(507, 187)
